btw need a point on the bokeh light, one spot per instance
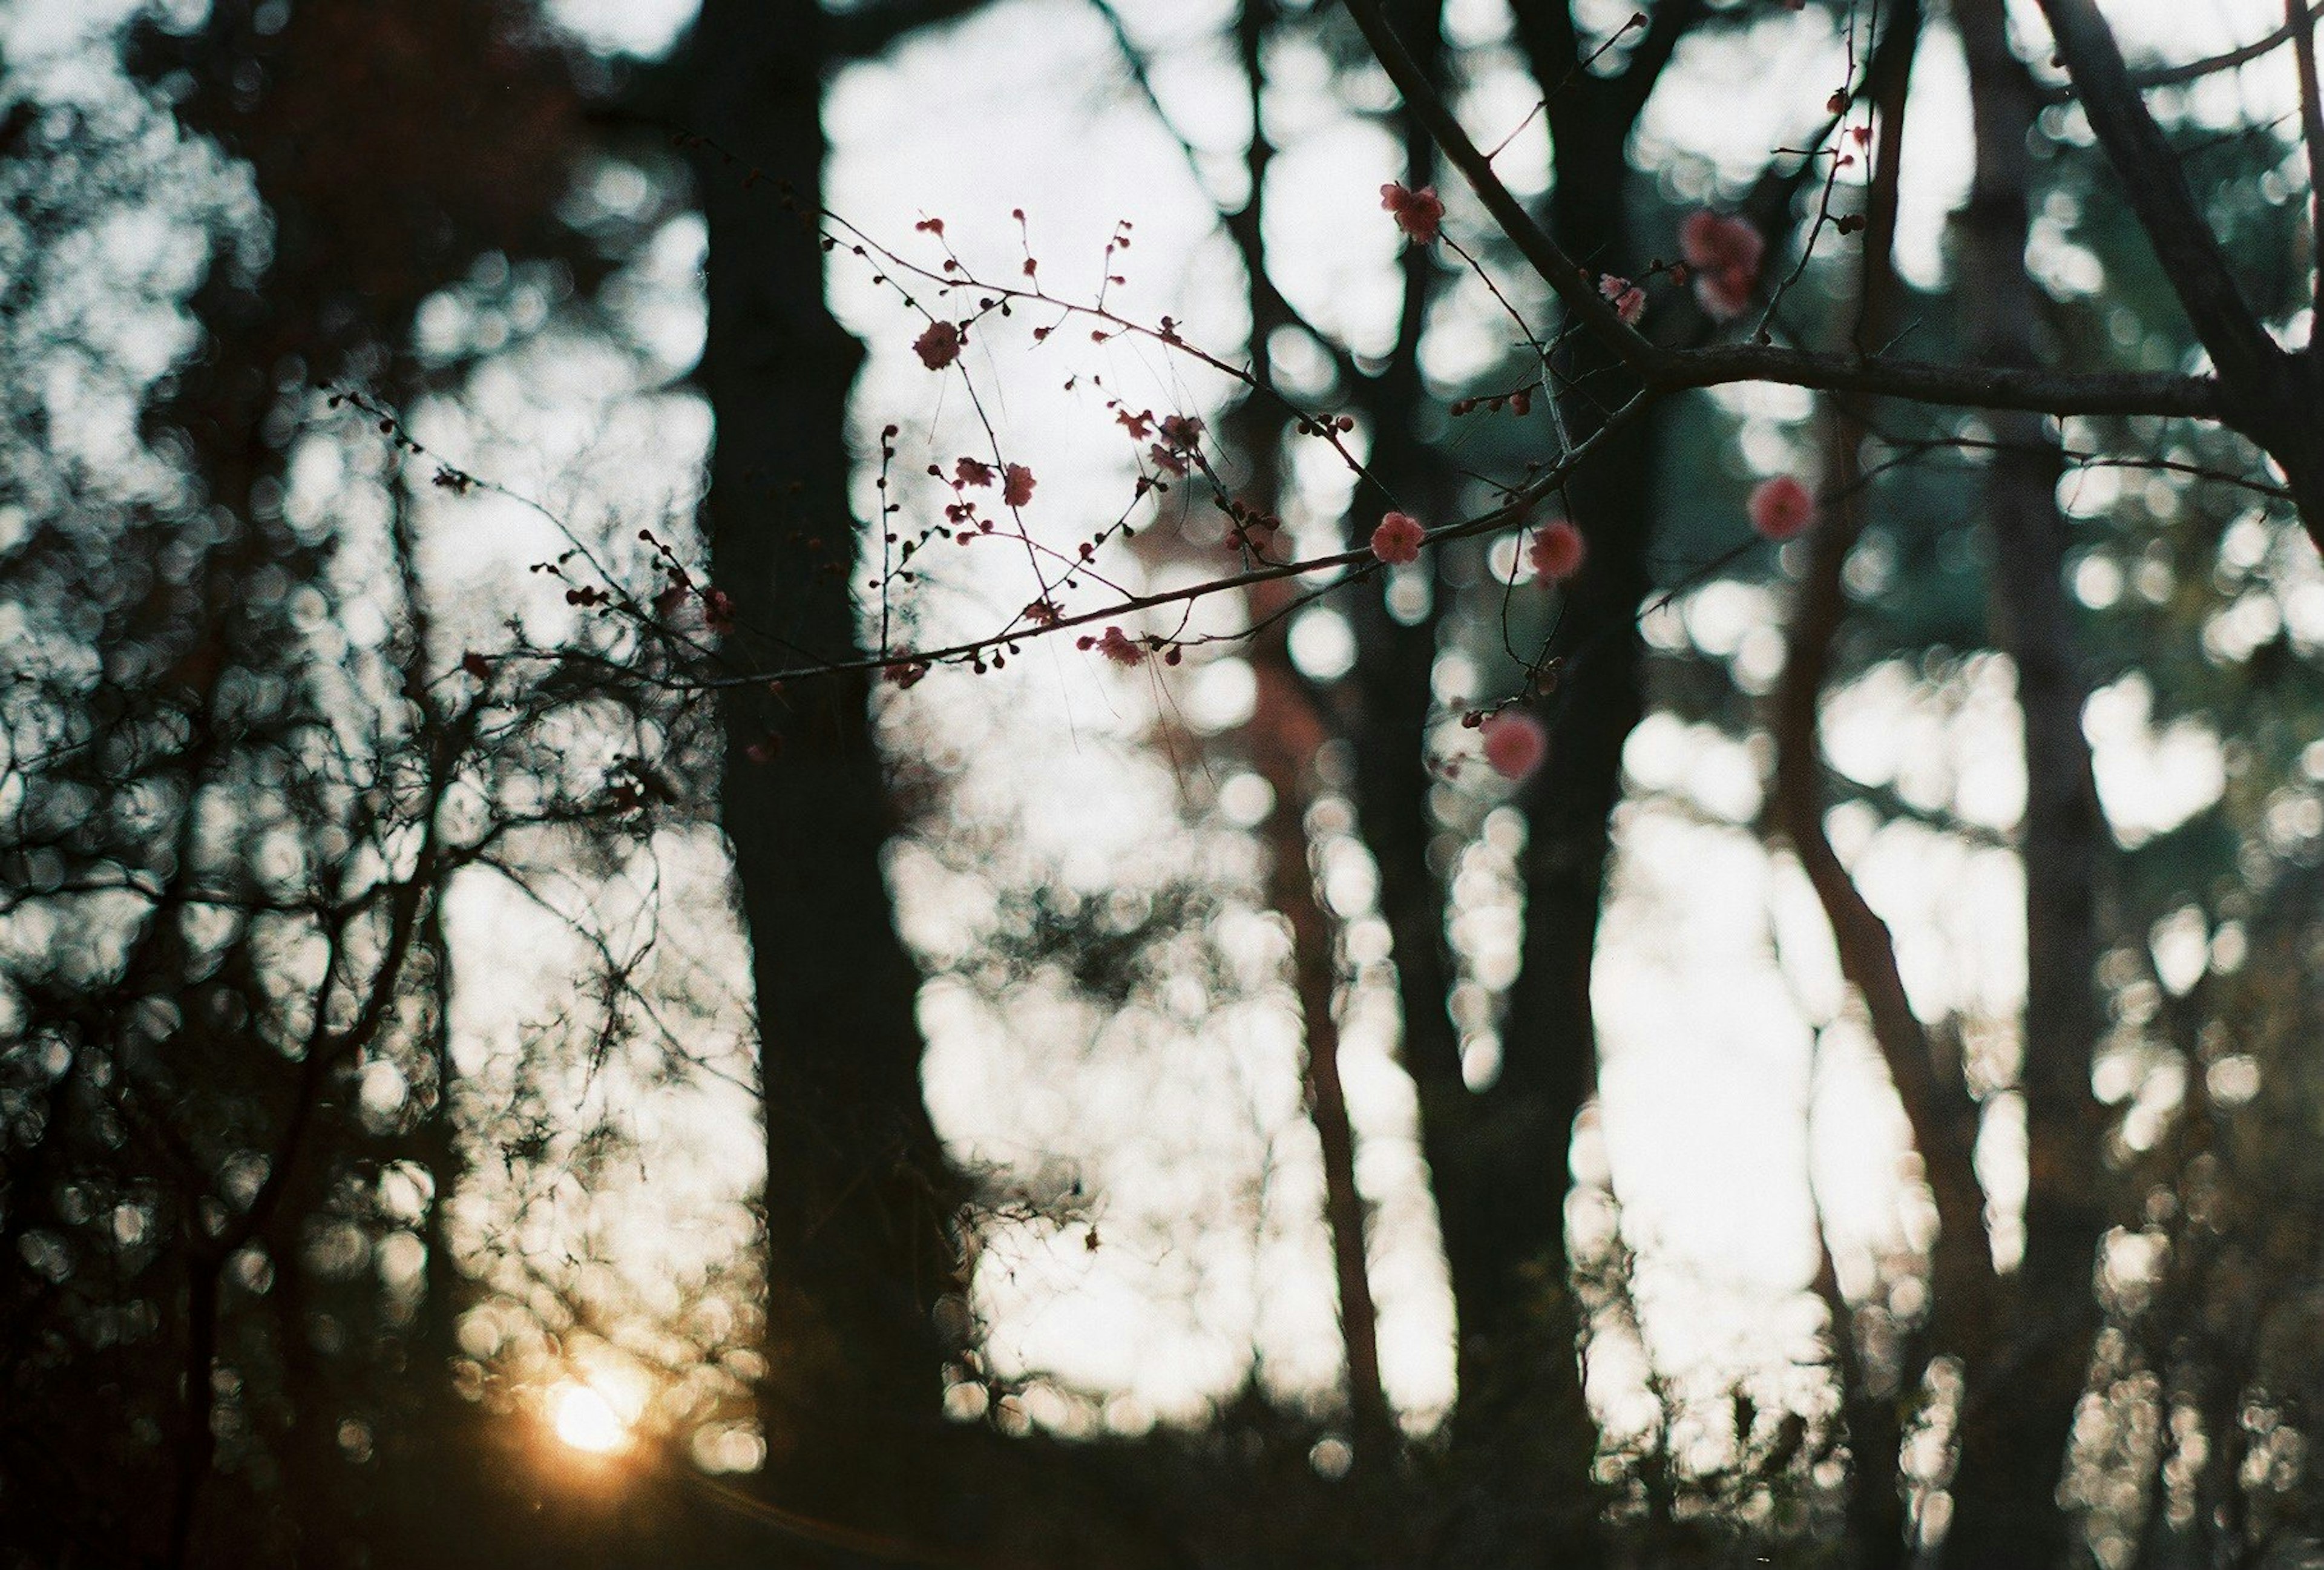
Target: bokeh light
(585, 1421)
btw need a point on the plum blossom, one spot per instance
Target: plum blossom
(1724, 253)
(939, 346)
(1016, 484)
(1418, 213)
(1398, 539)
(1116, 645)
(1628, 300)
(1557, 551)
(1781, 508)
(1514, 744)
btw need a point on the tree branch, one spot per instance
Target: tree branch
(2154, 183)
(864, 31)
(1672, 370)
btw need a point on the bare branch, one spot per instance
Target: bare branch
(2154, 183)
(1672, 370)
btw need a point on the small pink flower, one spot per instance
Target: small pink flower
(1628, 300)
(1724, 253)
(1116, 646)
(1514, 744)
(1782, 508)
(1418, 213)
(1398, 539)
(1557, 551)
(969, 472)
(1016, 484)
(939, 346)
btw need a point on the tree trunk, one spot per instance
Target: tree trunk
(2020, 1406)
(859, 1197)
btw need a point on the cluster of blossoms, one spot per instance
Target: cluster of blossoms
(1124, 650)
(1016, 484)
(1181, 438)
(1556, 549)
(1723, 255)
(1628, 300)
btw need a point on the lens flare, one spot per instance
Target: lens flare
(585, 1421)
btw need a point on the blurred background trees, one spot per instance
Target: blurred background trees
(486, 1074)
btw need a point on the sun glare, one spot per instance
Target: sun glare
(585, 1421)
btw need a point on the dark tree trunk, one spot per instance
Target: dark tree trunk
(2021, 1401)
(859, 1197)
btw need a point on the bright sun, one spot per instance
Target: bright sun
(585, 1421)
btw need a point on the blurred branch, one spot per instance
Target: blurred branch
(2195, 70)
(863, 32)
(2154, 183)
(1941, 1114)
(1671, 370)
(2301, 23)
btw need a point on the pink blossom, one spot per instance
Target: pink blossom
(1782, 508)
(969, 472)
(1418, 213)
(1514, 744)
(1016, 484)
(939, 346)
(1116, 646)
(1724, 253)
(1398, 539)
(1628, 300)
(1557, 551)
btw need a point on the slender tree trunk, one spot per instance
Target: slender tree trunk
(1315, 972)
(1286, 729)
(859, 1198)
(2020, 1407)
(1521, 1328)
(1938, 1107)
